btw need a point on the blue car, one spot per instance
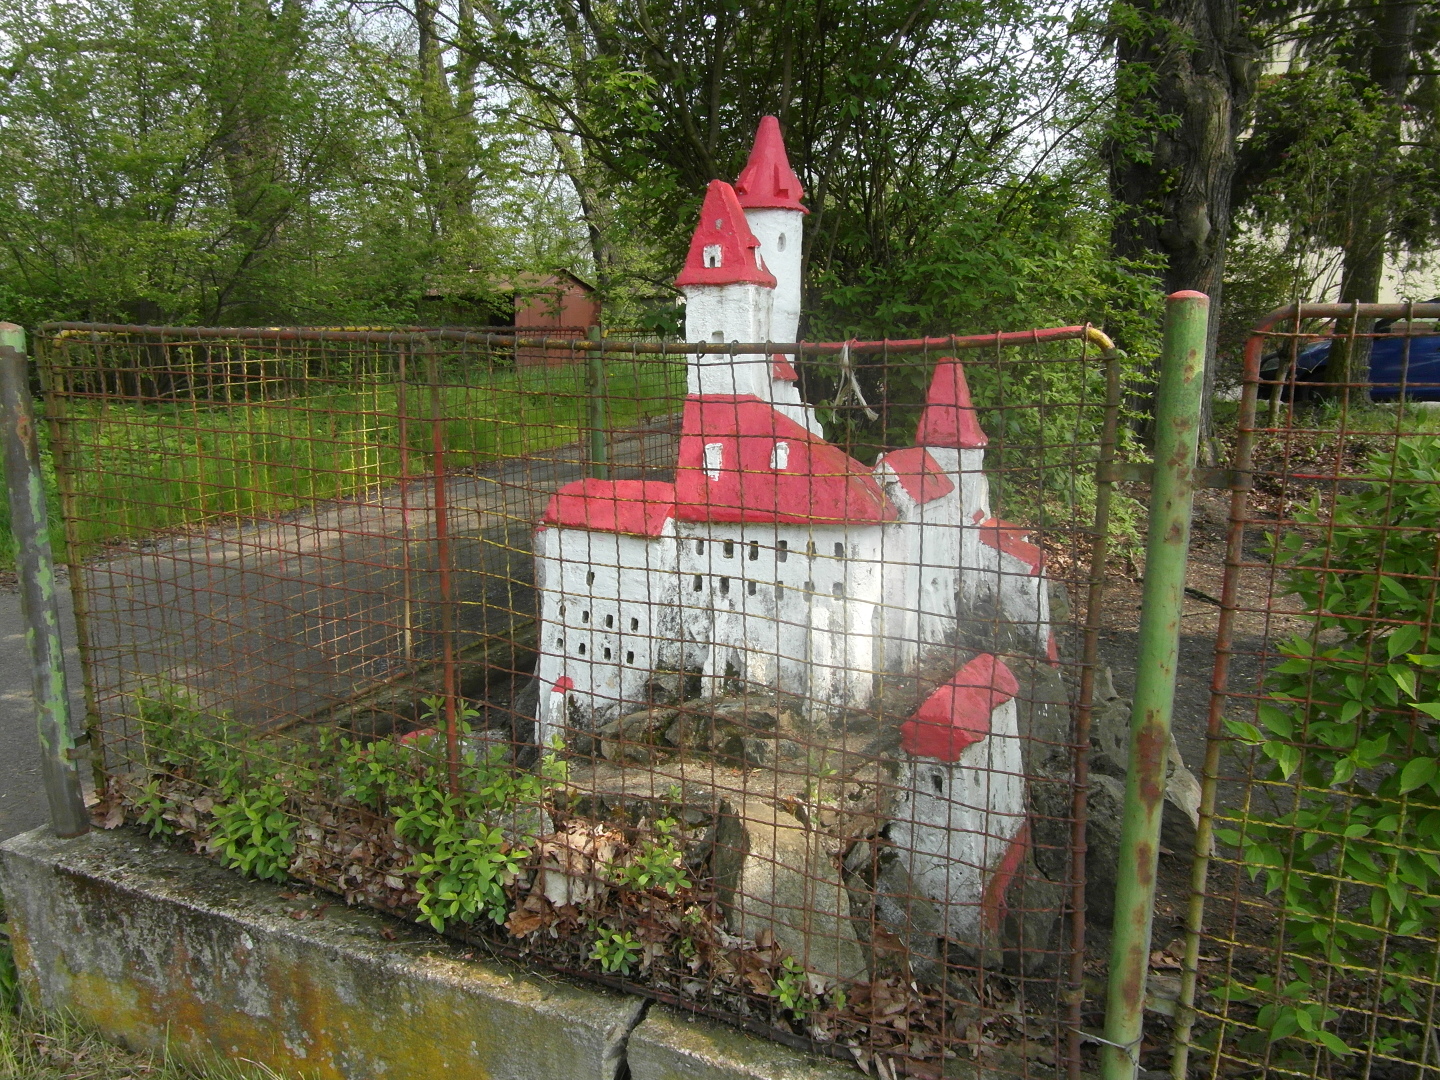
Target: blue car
(1400, 353)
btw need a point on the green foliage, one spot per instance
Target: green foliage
(465, 873)
(1349, 727)
(151, 806)
(9, 976)
(615, 950)
(254, 833)
(658, 863)
(792, 988)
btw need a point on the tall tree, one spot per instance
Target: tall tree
(1185, 73)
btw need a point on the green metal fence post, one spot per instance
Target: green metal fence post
(35, 565)
(1177, 430)
(595, 380)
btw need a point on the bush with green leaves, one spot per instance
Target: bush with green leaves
(1352, 849)
(255, 832)
(616, 951)
(658, 863)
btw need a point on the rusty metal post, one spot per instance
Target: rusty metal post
(442, 561)
(1177, 430)
(35, 565)
(595, 384)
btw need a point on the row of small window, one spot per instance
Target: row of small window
(581, 649)
(609, 619)
(782, 549)
(697, 584)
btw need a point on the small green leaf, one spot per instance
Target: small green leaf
(1402, 640)
(1332, 1043)
(1417, 773)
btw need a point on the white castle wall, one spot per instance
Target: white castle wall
(782, 606)
(609, 617)
(956, 821)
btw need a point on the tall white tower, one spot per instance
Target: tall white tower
(770, 193)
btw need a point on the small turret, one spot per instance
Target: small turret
(727, 297)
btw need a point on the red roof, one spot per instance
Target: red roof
(767, 181)
(637, 507)
(782, 369)
(723, 250)
(949, 418)
(1011, 539)
(733, 467)
(957, 715)
(920, 474)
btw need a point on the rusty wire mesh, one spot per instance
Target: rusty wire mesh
(316, 646)
(1316, 901)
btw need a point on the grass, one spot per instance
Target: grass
(143, 468)
(34, 1047)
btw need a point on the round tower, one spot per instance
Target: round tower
(770, 193)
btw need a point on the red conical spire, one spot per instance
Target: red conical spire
(767, 181)
(949, 417)
(723, 250)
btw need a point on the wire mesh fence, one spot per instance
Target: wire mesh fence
(772, 711)
(1316, 893)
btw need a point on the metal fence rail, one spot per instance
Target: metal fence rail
(778, 713)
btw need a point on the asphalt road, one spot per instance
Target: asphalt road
(22, 797)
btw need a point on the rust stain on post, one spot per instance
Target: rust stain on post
(1177, 430)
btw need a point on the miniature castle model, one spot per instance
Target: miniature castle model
(777, 561)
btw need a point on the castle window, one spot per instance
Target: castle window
(724, 586)
(712, 255)
(938, 781)
(562, 609)
(559, 642)
(590, 578)
(630, 656)
(699, 583)
(782, 550)
(634, 624)
(717, 336)
(754, 550)
(750, 587)
(779, 592)
(714, 459)
(810, 549)
(809, 586)
(584, 616)
(728, 550)
(780, 242)
(581, 650)
(607, 654)
(839, 550)
(699, 547)
(839, 588)
(780, 455)
(609, 620)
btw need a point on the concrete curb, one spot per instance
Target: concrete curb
(670, 1045)
(146, 943)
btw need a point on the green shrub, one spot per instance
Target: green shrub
(1348, 727)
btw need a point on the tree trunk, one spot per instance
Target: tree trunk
(1185, 76)
(1370, 224)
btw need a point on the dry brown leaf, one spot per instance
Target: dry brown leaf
(521, 924)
